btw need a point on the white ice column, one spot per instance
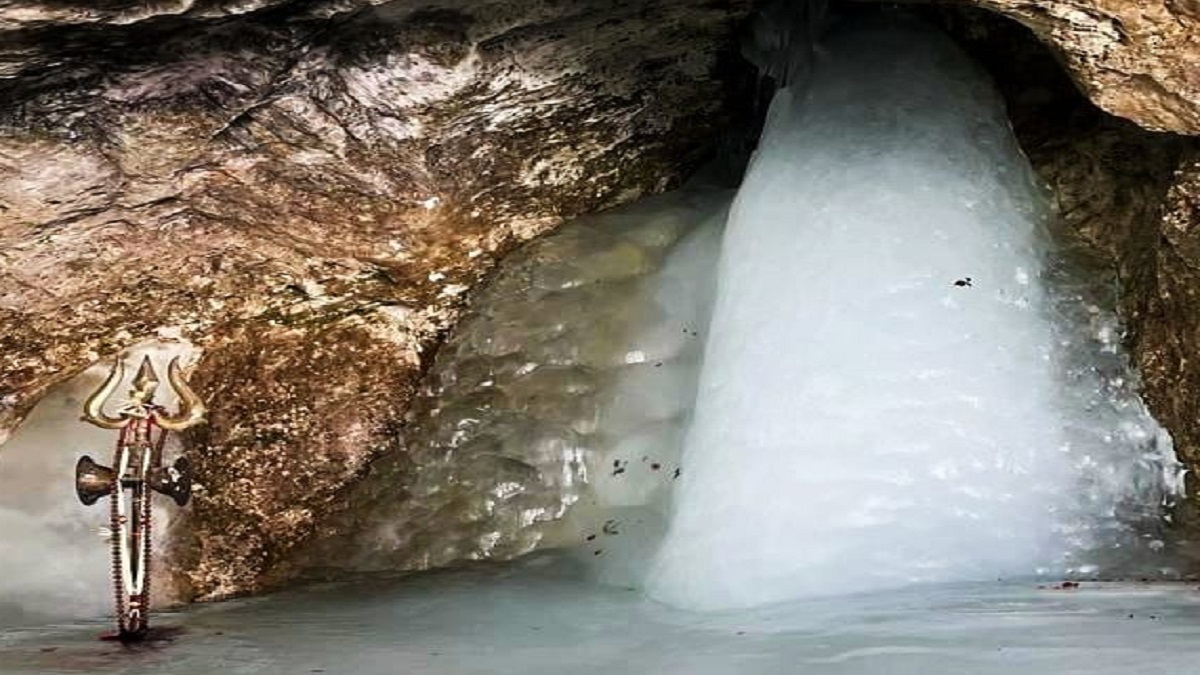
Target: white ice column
(876, 405)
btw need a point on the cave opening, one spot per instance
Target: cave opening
(551, 430)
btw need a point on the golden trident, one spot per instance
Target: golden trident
(137, 470)
(141, 399)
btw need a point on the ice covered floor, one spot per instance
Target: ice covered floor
(543, 616)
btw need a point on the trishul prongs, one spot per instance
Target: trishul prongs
(141, 399)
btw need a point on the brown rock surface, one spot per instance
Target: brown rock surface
(1137, 59)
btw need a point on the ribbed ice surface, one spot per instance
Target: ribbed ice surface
(888, 394)
(552, 415)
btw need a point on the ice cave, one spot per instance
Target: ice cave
(788, 336)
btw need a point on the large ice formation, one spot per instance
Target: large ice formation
(886, 391)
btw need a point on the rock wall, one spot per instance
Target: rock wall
(1137, 59)
(1165, 316)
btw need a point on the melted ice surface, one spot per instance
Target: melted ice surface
(885, 397)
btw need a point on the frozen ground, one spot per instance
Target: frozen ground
(541, 616)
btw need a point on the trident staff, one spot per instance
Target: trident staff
(137, 471)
